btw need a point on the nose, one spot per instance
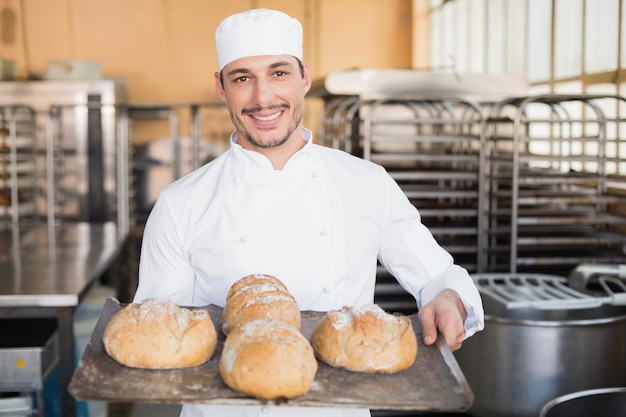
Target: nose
(263, 92)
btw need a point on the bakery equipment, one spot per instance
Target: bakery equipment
(19, 175)
(29, 356)
(601, 402)
(585, 274)
(426, 129)
(46, 276)
(431, 147)
(547, 292)
(553, 183)
(541, 340)
(545, 193)
(80, 148)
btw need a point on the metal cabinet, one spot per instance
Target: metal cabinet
(81, 147)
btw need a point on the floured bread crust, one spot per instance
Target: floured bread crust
(158, 334)
(268, 359)
(365, 339)
(259, 296)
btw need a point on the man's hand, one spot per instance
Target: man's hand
(445, 313)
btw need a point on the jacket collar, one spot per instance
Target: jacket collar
(253, 159)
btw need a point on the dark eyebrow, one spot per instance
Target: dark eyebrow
(281, 64)
(237, 71)
(244, 71)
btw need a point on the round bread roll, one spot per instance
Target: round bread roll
(259, 297)
(365, 339)
(255, 279)
(268, 359)
(158, 334)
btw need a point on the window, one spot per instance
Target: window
(559, 46)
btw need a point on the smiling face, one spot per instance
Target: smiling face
(265, 98)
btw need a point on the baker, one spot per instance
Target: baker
(277, 203)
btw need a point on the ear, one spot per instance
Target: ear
(307, 78)
(221, 94)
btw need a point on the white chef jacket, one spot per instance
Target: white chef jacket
(319, 225)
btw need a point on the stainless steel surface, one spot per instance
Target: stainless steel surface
(28, 355)
(585, 274)
(83, 147)
(525, 357)
(45, 273)
(54, 269)
(541, 291)
(601, 402)
(433, 383)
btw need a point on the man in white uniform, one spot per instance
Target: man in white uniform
(276, 203)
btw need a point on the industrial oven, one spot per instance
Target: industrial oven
(66, 151)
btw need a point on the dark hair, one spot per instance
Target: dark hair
(300, 65)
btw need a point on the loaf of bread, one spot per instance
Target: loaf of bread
(268, 359)
(256, 297)
(365, 339)
(158, 334)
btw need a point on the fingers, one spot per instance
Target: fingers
(452, 334)
(451, 329)
(426, 316)
(443, 315)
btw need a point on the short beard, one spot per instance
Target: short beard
(274, 144)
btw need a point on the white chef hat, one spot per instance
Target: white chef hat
(257, 32)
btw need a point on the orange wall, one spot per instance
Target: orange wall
(164, 48)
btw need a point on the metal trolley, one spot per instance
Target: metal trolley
(554, 181)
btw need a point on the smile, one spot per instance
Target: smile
(268, 118)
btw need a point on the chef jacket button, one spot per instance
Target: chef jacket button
(243, 239)
(265, 410)
(324, 232)
(316, 175)
(237, 181)
(328, 289)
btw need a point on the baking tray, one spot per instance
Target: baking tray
(433, 383)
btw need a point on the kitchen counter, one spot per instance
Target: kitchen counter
(46, 272)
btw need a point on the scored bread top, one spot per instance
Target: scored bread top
(259, 296)
(255, 279)
(157, 334)
(268, 359)
(365, 339)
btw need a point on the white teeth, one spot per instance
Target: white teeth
(268, 118)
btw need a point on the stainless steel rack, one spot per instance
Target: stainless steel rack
(70, 150)
(547, 292)
(87, 171)
(554, 181)
(18, 166)
(195, 134)
(431, 147)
